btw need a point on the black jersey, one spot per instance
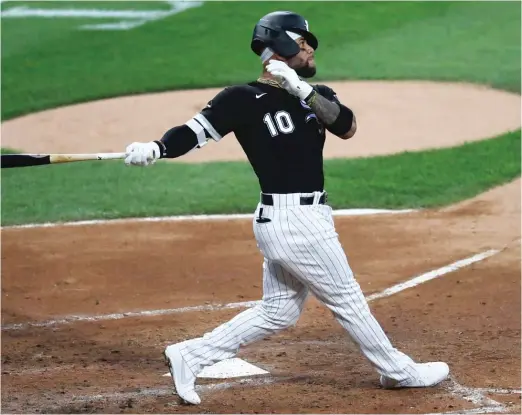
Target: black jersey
(281, 136)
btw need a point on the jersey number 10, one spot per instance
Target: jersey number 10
(283, 121)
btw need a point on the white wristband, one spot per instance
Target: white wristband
(303, 89)
(156, 151)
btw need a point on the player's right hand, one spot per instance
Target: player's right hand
(290, 80)
(142, 154)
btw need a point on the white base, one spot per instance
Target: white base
(229, 368)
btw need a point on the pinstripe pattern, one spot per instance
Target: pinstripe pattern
(302, 253)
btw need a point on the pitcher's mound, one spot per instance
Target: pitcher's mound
(391, 116)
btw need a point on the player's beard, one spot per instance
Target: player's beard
(306, 71)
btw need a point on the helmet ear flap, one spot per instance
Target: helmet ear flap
(262, 38)
(275, 38)
(257, 46)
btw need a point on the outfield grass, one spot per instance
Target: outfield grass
(110, 189)
(49, 62)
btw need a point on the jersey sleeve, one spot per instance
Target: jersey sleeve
(327, 92)
(220, 117)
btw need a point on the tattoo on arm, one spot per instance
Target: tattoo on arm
(326, 110)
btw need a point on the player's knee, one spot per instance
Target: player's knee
(280, 317)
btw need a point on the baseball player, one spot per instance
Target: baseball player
(280, 122)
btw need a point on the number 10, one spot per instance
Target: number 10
(283, 121)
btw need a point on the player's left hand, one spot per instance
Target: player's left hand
(289, 79)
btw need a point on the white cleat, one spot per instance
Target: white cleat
(429, 374)
(183, 378)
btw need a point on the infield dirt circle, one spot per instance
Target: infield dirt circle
(469, 318)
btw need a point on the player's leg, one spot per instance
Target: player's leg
(281, 306)
(318, 259)
(283, 300)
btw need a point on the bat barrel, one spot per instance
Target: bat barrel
(25, 160)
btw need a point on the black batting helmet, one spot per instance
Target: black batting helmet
(270, 32)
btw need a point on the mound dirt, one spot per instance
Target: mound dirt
(469, 318)
(392, 117)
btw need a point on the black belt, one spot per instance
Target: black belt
(305, 200)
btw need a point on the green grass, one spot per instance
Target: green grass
(49, 62)
(110, 189)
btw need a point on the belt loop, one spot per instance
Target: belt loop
(261, 218)
(317, 196)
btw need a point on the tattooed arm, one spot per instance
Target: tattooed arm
(336, 117)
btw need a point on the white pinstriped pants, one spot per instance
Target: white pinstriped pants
(302, 253)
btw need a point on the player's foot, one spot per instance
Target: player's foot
(183, 378)
(429, 374)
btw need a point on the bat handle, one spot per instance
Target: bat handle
(111, 156)
(67, 158)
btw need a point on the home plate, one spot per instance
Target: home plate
(230, 368)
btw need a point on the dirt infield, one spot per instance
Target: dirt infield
(469, 318)
(58, 357)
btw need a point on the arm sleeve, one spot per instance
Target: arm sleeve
(216, 120)
(344, 120)
(177, 141)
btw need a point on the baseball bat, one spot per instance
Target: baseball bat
(27, 160)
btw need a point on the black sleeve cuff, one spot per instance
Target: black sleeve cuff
(343, 123)
(177, 141)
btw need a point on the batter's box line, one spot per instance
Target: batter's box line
(455, 388)
(158, 392)
(477, 396)
(500, 391)
(481, 410)
(412, 282)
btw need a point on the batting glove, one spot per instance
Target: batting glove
(142, 154)
(289, 79)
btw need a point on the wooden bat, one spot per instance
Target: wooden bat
(27, 160)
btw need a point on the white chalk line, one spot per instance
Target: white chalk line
(24, 12)
(476, 396)
(433, 274)
(132, 18)
(246, 304)
(480, 410)
(169, 391)
(119, 316)
(160, 392)
(500, 391)
(194, 218)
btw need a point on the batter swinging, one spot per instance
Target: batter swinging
(280, 122)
